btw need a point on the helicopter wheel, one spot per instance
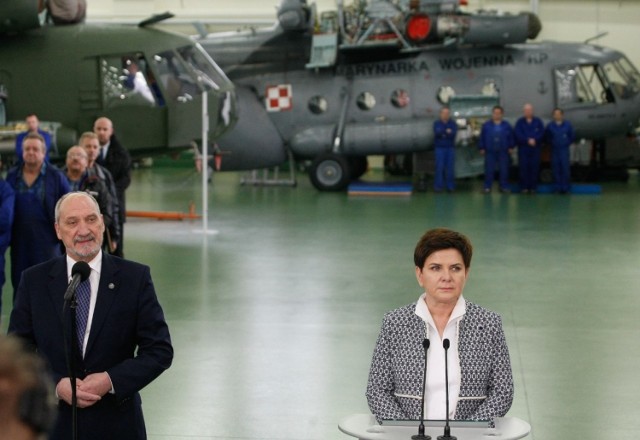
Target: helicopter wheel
(330, 172)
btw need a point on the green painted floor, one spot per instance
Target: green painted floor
(274, 318)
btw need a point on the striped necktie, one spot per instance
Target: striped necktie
(83, 299)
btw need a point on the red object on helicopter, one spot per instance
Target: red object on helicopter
(418, 27)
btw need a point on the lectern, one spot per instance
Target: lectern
(365, 427)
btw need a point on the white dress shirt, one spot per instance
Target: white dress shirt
(435, 392)
(94, 280)
(104, 149)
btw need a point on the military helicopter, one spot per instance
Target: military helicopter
(149, 82)
(370, 78)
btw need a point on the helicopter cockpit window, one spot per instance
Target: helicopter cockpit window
(366, 101)
(624, 78)
(400, 98)
(185, 73)
(128, 79)
(631, 73)
(203, 67)
(582, 85)
(176, 80)
(318, 105)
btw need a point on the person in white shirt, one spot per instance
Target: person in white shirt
(480, 377)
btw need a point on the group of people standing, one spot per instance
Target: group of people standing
(99, 165)
(54, 219)
(496, 143)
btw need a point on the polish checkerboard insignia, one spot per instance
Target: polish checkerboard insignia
(279, 98)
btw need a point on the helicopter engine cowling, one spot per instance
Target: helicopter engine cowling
(489, 28)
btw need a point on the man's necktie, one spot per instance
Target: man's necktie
(83, 299)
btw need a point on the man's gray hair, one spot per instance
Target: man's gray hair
(73, 195)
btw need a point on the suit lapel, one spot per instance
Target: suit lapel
(107, 292)
(57, 285)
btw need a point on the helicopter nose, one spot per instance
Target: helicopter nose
(254, 142)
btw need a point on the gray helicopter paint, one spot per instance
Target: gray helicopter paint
(519, 74)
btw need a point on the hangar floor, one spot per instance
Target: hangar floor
(274, 318)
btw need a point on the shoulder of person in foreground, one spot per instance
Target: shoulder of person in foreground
(476, 312)
(402, 314)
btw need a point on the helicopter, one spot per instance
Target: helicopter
(149, 82)
(369, 78)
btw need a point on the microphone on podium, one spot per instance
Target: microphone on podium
(447, 429)
(421, 435)
(79, 272)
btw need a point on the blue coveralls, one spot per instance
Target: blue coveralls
(33, 236)
(529, 156)
(560, 136)
(445, 149)
(7, 201)
(495, 141)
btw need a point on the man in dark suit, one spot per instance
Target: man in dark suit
(126, 342)
(115, 158)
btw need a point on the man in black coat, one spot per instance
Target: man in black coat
(122, 335)
(115, 158)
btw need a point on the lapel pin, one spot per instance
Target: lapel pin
(112, 286)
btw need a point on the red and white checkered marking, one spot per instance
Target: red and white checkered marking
(279, 98)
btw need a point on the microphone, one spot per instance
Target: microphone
(421, 435)
(447, 429)
(79, 273)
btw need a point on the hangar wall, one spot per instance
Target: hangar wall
(564, 20)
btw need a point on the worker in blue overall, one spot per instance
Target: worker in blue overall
(529, 132)
(37, 185)
(559, 134)
(496, 143)
(444, 131)
(33, 126)
(7, 200)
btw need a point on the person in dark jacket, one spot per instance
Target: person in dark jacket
(444, 132)
(7, 201)
(115, 158)
(37, 185)
(124, 341)
(83, 178)
(559, 134)
(529, 133)
(496, 143)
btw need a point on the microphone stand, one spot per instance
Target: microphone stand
(447, 429)
(72, 350)
(421, 435)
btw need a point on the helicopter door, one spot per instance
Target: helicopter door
(132, 100)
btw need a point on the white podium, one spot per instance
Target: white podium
(365, 427)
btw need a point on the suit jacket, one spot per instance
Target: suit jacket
(118, 162)
(395, 380)
(127, 317)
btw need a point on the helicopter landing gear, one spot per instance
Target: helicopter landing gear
(330, 172)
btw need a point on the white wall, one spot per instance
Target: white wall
(566, 20)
